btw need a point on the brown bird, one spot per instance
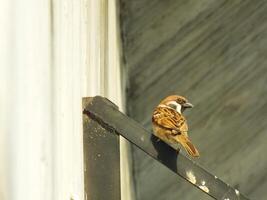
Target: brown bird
(170, 125)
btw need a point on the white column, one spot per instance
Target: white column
(26, 100)
(115, 92)
(53, 53)
(105, 71)
(70, 37)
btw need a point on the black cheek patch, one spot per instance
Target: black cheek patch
(172, 105)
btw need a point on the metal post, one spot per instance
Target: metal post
(101, 159)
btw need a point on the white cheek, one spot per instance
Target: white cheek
(178, 108)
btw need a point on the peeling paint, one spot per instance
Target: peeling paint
(191, 177)
(204, 187)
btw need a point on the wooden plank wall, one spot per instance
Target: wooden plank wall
(214, 53)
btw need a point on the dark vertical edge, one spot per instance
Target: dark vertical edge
(101, 160)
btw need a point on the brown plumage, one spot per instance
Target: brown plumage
(170, 125)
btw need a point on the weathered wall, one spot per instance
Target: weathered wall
(214, 53)
(53, 53)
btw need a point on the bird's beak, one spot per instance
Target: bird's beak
(188, 105)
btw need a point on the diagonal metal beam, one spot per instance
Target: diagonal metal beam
(106, 113)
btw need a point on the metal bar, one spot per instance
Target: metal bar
(105, 113)
(101, 159)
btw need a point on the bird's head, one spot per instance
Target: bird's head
(176, 102)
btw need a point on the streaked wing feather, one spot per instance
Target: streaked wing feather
(170, 119)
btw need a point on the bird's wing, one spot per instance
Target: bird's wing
(170, 119)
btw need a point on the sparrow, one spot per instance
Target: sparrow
(170, 125)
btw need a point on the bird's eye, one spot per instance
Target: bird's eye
(172, 105)
(177, 133)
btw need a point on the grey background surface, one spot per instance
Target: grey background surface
(215, 54)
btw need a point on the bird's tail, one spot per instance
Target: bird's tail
(189, 147)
